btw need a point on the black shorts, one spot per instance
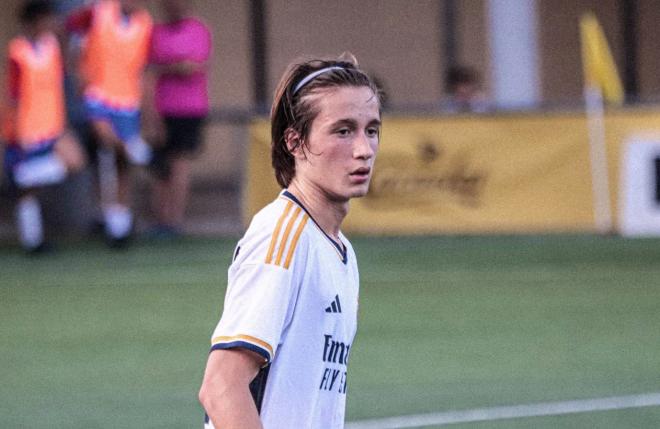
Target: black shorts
(184, 135)
(183, 138)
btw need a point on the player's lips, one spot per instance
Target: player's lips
(361, 174)
(361, 171)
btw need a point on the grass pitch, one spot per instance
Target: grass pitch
(95, 338)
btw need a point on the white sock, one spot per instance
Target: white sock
(28, 219)
(118, 221)
(40, 171)
(139, 152)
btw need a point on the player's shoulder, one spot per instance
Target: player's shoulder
(277, 234)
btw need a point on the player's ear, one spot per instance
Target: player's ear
(293, 142)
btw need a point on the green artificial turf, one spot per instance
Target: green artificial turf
(91, 337)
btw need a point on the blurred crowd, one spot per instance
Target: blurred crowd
(101, 85)
(98, 85)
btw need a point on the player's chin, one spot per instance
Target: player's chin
(359, 191)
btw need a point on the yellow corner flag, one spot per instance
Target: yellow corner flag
(597, 62)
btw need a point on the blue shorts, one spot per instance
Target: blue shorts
(125, 122)
(15, 154)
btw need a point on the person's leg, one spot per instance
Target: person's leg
(132, 150)
(114, 183)
(115, 189)
(179, 184)
(160, 202)
(27, 212)
(108, 146)
(160, 170)
(126, 125)
(29, 222)
(174, 169)
(68, 149)
(105, 134)
(45, 163)
(90, 146)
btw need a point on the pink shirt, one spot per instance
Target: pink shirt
(176, 95)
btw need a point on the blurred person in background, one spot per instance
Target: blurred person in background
(281, 349)
(40, 152)
(180, 52)
(115, 48)
(464, 91)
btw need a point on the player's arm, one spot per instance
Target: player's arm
(179, 68)
(198, 60)
(106, 134)
(225, 392)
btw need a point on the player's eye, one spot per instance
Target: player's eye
(343, 132)
(373, 132)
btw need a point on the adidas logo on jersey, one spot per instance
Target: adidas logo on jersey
(335, 307)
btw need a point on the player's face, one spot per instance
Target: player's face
(342, 143)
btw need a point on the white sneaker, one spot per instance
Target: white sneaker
(118, 221)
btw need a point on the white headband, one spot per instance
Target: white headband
(311, 76)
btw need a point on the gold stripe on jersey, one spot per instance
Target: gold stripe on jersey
(339, 247)
(246, 338)
(287, 232)
(276, 233)
(294, 242)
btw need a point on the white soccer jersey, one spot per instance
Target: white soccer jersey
(292, 297)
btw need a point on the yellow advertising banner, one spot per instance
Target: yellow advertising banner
(509, 173)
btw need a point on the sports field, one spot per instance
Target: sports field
(94, 338)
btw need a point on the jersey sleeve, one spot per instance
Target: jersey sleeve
(256, 307)
(264, 280)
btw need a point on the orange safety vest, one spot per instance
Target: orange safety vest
(39, 114)
(115, 54)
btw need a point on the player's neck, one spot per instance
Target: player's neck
(328, 214)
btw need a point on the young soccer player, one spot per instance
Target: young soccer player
(280, 352)
(114, 54)
(39, 152)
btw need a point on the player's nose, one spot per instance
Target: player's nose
(363, 147)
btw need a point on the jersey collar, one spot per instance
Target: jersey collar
(340, 247)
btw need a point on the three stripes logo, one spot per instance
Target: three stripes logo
(284, 238)
(335, 307)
